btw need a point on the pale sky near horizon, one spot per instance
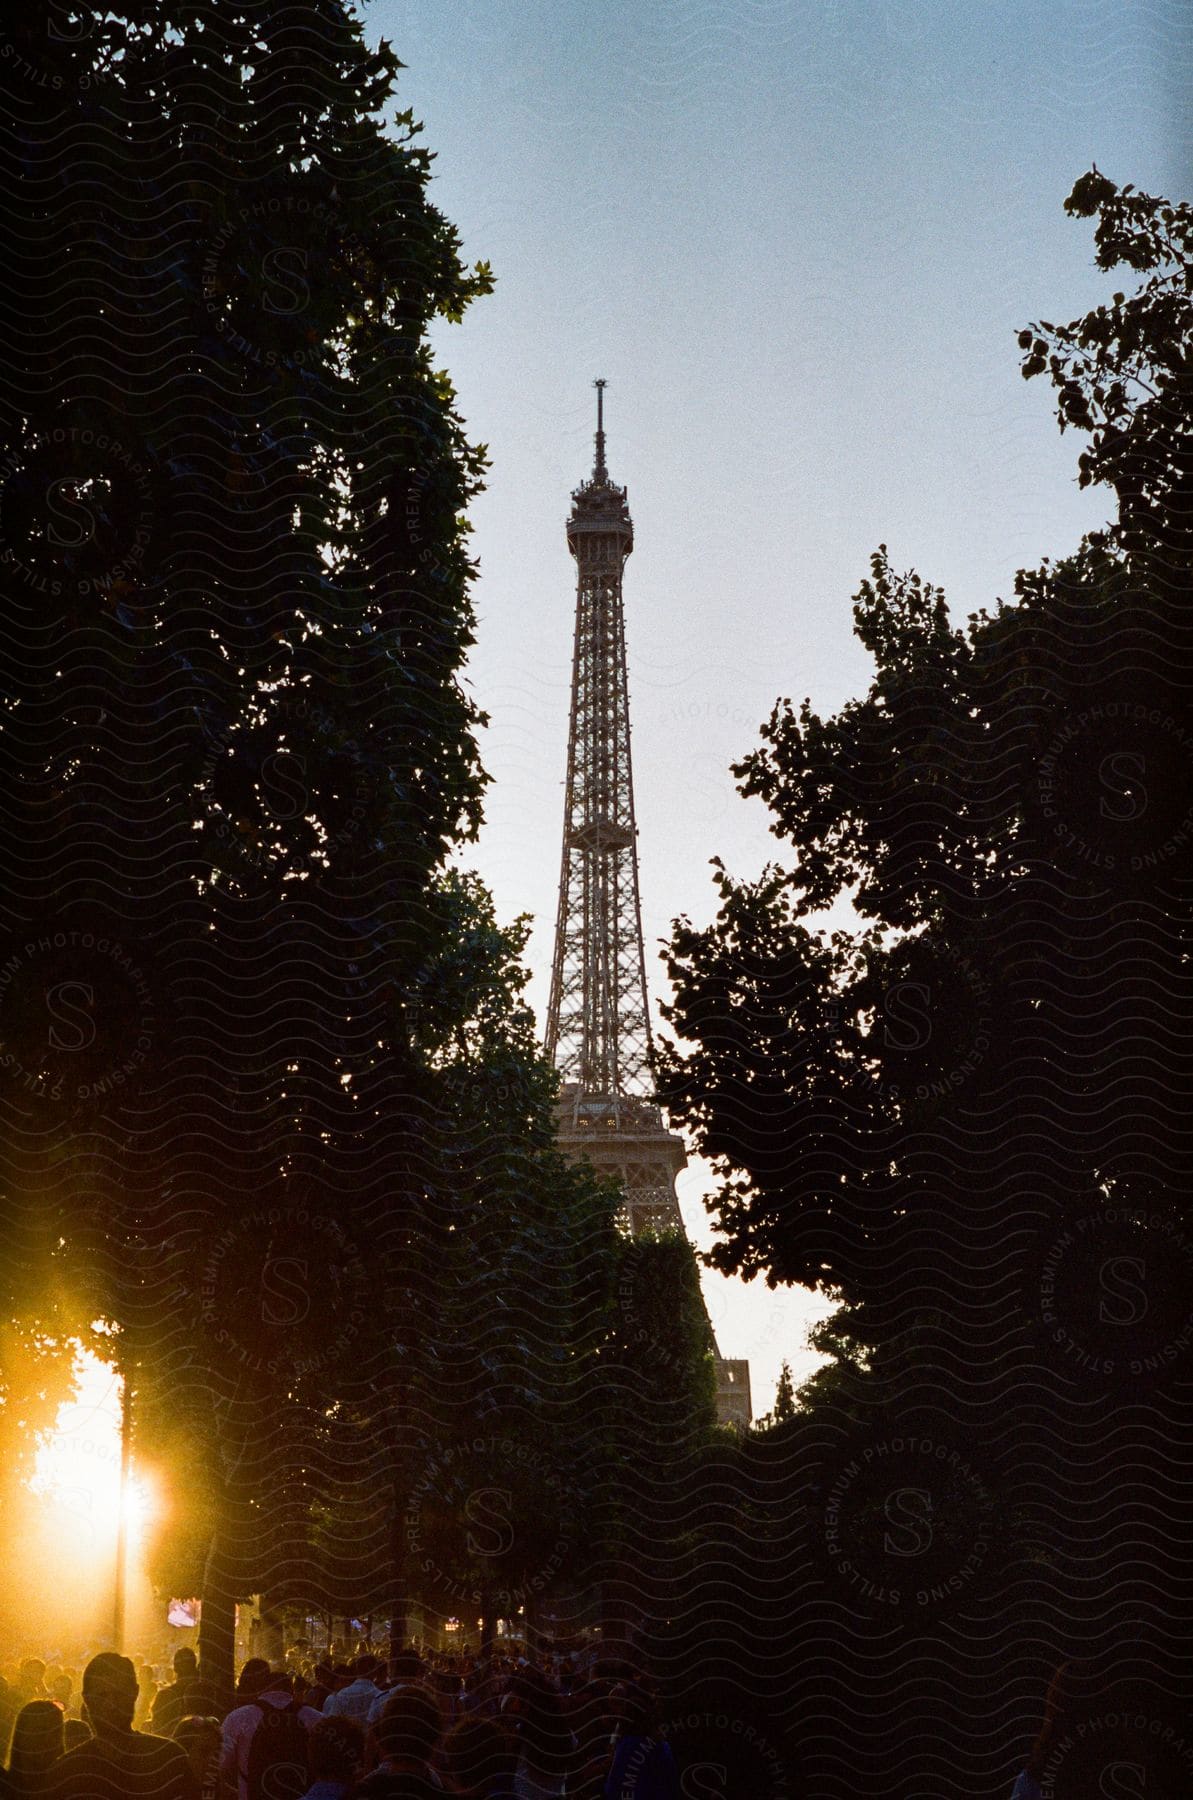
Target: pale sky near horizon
(798, 241)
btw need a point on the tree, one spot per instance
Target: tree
(959, 1113)
(492, 1447)
(654, 1409)
(236, 747)
(1122, 371)
(784, 1407)
(276, 1105)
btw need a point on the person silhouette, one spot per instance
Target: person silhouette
(116, 1760)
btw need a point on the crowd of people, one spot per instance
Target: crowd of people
(418, 1727)
(425, 1725)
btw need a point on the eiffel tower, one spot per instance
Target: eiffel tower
(598, 1018)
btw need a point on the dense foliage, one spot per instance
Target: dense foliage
(271, 1099)
(964, 1114)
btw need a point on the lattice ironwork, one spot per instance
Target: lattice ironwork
(598, 1018)
(598, 1023)
(633, 1145)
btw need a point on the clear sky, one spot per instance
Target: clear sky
(798, 240)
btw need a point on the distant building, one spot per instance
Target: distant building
(733, 1391)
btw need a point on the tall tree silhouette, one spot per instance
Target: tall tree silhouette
(237, 754)
(963, 1114)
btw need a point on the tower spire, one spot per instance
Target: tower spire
(598, 1018)
(598, 1027)
(599, 471)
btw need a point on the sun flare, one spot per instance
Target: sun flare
(77, 1468)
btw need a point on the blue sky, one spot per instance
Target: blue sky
(798, 240)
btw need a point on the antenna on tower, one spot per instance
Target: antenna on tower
(600, 472)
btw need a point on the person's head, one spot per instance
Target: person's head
(408, 1728)
(37, 1739)
(253, 1675)
(186, 1663)
(75, 1732)
(477, 1756)
(365, 1667)
(32, 1674)
(531, 1685)
(277, 1681)
(60, 1687)
(109, 1692)
(534, 1710)
(407, 1665)
(201, 1738)
(324, 1674)
(336, 1750)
